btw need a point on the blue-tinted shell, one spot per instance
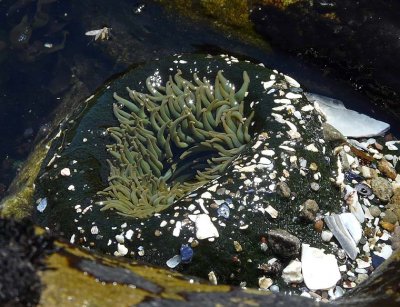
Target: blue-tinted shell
(42, 205)
(363, 189)
(350, 176)
(223, 211)
(186, 253)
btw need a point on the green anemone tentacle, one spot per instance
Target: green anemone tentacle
(173, 140)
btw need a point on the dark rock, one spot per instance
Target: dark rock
(283, 243)
(382, 188)
(283, 189)
(21, 257)
(310, 209)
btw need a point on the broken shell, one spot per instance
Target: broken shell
(347, 230)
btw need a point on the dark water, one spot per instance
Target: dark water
(35, 79)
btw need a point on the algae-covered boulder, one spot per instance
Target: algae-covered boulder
(179, 163)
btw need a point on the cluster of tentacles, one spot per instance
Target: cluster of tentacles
(172, 141)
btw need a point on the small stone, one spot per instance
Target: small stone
(237, 246)
(319, 225)
(310, 209)
(382, 188)
(65, 172)
(378, 146)
(326, 235)
(272, 267)
(120, 239)
(94, 230)
(388, 226)
(375, 211)
(313, 166)
(389, 217)
(194, 243)
(366, 172)
(264, 282)
(283, 243)
(361, 278)
(204, 227)
(122, 249)
(283, 189)
(292, 273)
(314, 186)
(212, 278)
(157, 233)
(387, 169)
(274, 288)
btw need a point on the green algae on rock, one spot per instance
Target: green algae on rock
(167, 137)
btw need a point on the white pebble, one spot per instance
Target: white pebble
(326, 235)
(120, 239)
(94, 230)
(65, 172)
(204, 227)
(122, 249)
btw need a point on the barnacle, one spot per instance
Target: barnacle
(173, 140)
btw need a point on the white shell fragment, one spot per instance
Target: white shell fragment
(351, 198)
(204, 227)
(347, 230)
(122, 250)
(264, 283)
(350, 123)
(292, 81)
(292, 273)
(41, 204)
(320, 270)
(272, 212)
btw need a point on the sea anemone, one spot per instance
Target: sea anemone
(172, 141)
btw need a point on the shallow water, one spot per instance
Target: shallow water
(35, 79)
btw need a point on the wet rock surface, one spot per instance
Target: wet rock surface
(343, 24)
(381, 248)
